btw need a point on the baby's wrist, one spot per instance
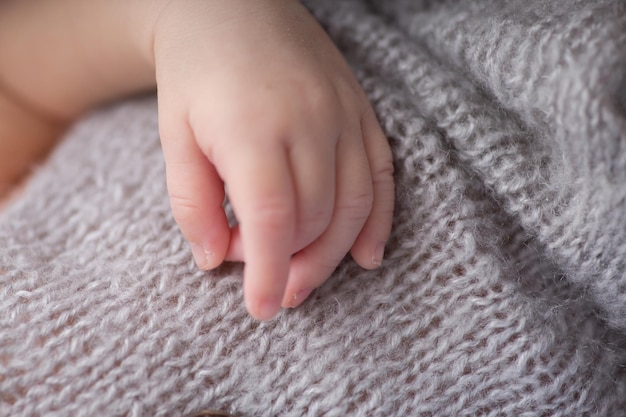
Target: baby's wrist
(171, 18)
(144, 21)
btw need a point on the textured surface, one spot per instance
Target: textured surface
(503, 292)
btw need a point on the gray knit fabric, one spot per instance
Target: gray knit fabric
(504, 288)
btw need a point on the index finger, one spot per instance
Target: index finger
(261, 192)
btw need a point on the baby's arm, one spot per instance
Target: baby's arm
(57, 59)
(253, 94)
(61, 57)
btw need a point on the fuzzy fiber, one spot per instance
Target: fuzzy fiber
(503, 292)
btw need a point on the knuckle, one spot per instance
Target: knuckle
(319, 99)
(358, 204)
(319, 213)
(184, 209)
(382, 177)
(314, 90)
(384, 169)
(323, 101)
(315, 220)
(273, 212)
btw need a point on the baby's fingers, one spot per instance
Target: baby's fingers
(196, 196)
(261, 192)
(369, 248)
(353, 203)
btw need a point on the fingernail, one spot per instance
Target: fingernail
(267, 309)
(379, 254)
(299, 297)
(203, 257)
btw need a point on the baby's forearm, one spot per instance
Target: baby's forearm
(61, 57)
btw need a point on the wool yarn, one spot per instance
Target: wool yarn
(503, 291)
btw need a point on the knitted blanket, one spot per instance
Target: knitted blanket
(504, 288)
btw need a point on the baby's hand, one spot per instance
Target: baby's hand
(254, 95)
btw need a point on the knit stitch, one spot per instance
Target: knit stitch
(503, 291)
